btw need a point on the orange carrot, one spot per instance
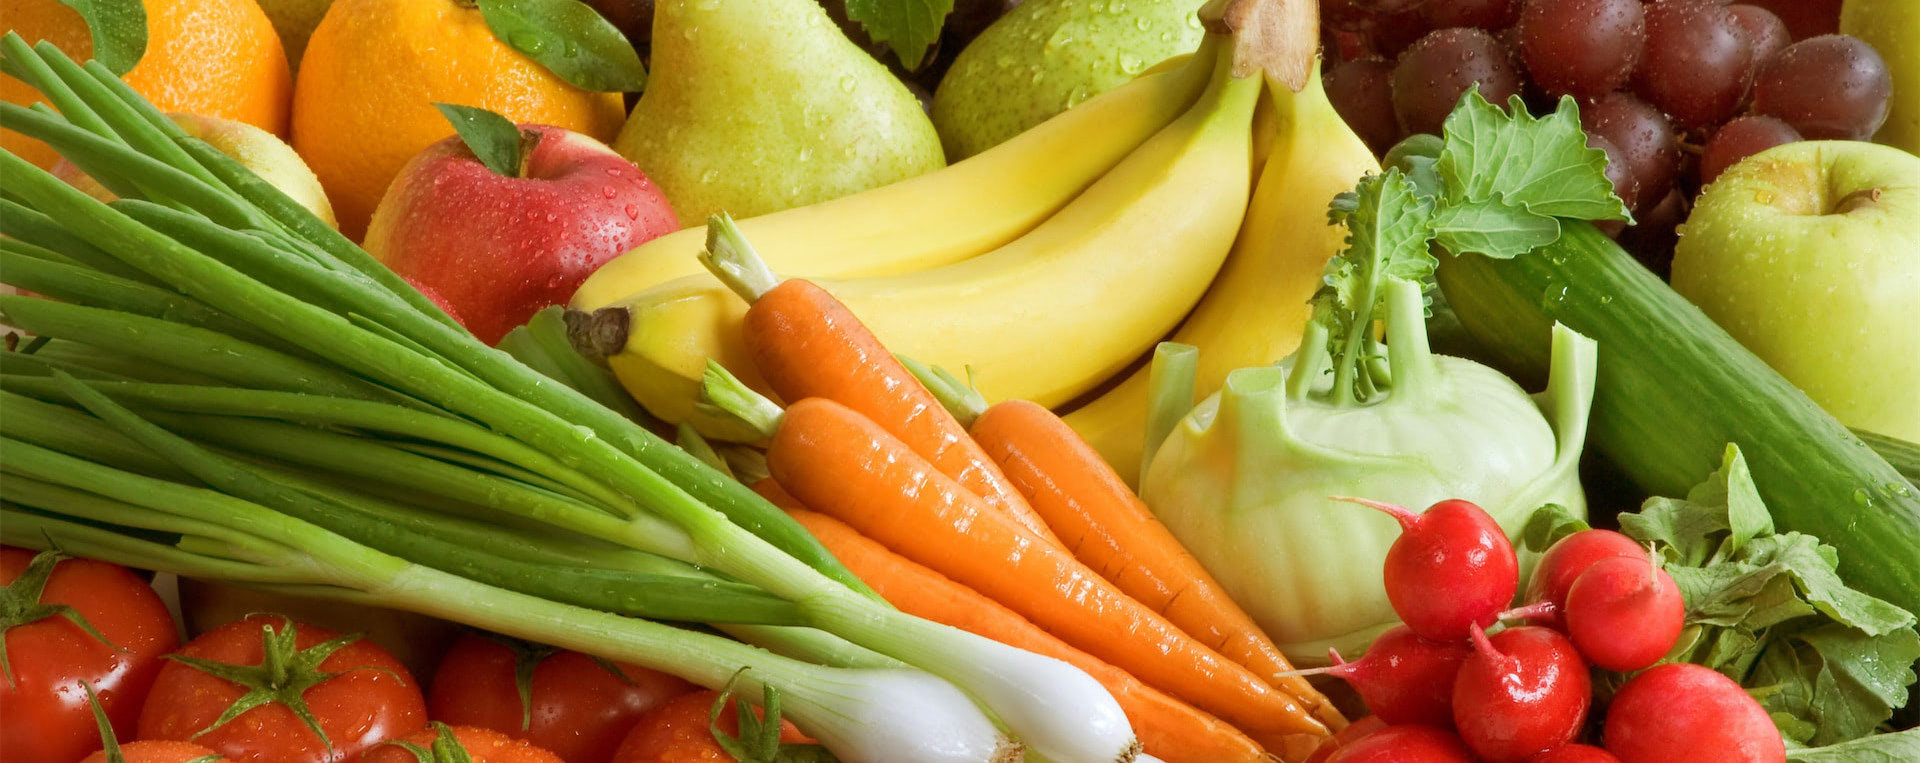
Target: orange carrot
(837, 462)
(1171, 730)
(1107, 527)
(807, 344)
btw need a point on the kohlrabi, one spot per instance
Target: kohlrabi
(1244, 479)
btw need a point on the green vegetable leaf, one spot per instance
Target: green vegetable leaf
(1901, 747)
(118, 28)
(571, 39)
(492, 138)
(1769, 610)
(1507, 175)
(909, 27)
(1388, 227)
(1548, 525)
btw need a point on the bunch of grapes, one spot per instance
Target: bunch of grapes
(1674, 91)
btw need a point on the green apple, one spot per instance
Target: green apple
(1892, 27)
(1809, 254)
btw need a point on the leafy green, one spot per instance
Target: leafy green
(1388, 227)
(1507, 176)
(1901, 747)
(571, 39)
(910, 27)
(495, 140)
(1829, 663)
(118, 29)
(1548, 525)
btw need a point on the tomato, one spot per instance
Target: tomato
(482, 745)
(577, 707)
(44, 714)
(357, 693)
(678, 732)
(163, 751)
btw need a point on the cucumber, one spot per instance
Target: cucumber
(1674, 389)
(1904, 456)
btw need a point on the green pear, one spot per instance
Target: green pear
(1047, 56)
(754, 106)
(1892, 27)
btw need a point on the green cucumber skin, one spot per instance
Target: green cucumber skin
(1674, 389)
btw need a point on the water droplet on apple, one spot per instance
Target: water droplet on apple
(805, 154)
(633, 212)
(847, 84)
(709, 176)
(608, 191)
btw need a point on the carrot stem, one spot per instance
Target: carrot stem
(958, 397)
(732, 260)
(725, 394)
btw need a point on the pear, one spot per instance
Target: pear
(1047, 56)
(1892, 27)
(754, 106)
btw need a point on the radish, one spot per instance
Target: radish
(1574, 753)
(1523, 691)
(1354, 732)
(1405, 744)
(1452, 568)
(1680, 711)
(1624, 614)
(1403, 678)
(1572, 555)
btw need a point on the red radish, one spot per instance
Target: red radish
(1353, 733)
(1624, 614)
(1451, 568)
(1405, 744)
(1404, 678)
(1680, 711)
(1523, 691)
(1574, 753)
(1572, 555)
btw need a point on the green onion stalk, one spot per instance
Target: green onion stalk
(296, 417)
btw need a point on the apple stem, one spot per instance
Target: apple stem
(732, 260)
(1857, 200)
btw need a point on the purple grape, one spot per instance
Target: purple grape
(1697, 63)
(1433, 73)
(1740, 139)
(1583, 48)
(1832, 87)
(1362, 93)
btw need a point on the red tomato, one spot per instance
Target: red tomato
(156, 752)
(483, 745)
(677, 732)
(359, 694)
(44, 714)
(577, 707)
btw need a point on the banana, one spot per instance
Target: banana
(943, 216)
(1257, 307)
(1045, 317)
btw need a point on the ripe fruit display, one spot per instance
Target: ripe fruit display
(258, 150)
(373, 69)
(218, 58)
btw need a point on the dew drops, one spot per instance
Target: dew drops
(529, 43)
(633, 212)
(847, 83)
(709, 176)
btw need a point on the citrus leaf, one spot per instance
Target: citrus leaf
(119, 30)
(493, 138)
(572, 40)
(910, 27)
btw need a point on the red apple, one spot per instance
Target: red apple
(497, 248)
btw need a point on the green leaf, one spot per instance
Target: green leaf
(571, 39)
(1814, 568)
(1388, 227)
(1507, 171)
(1716, 519)
(909, 27)
(119, 30)
(1548, 524)
(1902, 747)
(1834, 681)
(494, 139)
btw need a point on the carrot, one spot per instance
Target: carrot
(807, 344)
(1107, 527)
(1171, 730)
(837, 462)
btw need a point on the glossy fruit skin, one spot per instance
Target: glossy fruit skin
(363, 104)
(1697, 62)
(1624, 614)
(497, 249)
(677, 732)
(1583, 48)
(1528, 694)
(484, 745)
(372, 699)
(1432, 73)
(155, 751)
(1645, 139)
(1831, 87)
(1456, 571)
(1740, 139)
(1574, 753)
(1568, 557)
(218, 58)
(1681, 711)
(1405, 744)
(44, 716)
(579, 710)
(1407, 679)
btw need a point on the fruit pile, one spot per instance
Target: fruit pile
(1442, 689)
(1675, 91)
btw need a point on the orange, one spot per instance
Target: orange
(372, 72)
(216, 58)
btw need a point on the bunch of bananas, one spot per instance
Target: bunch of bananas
(1049, 265)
